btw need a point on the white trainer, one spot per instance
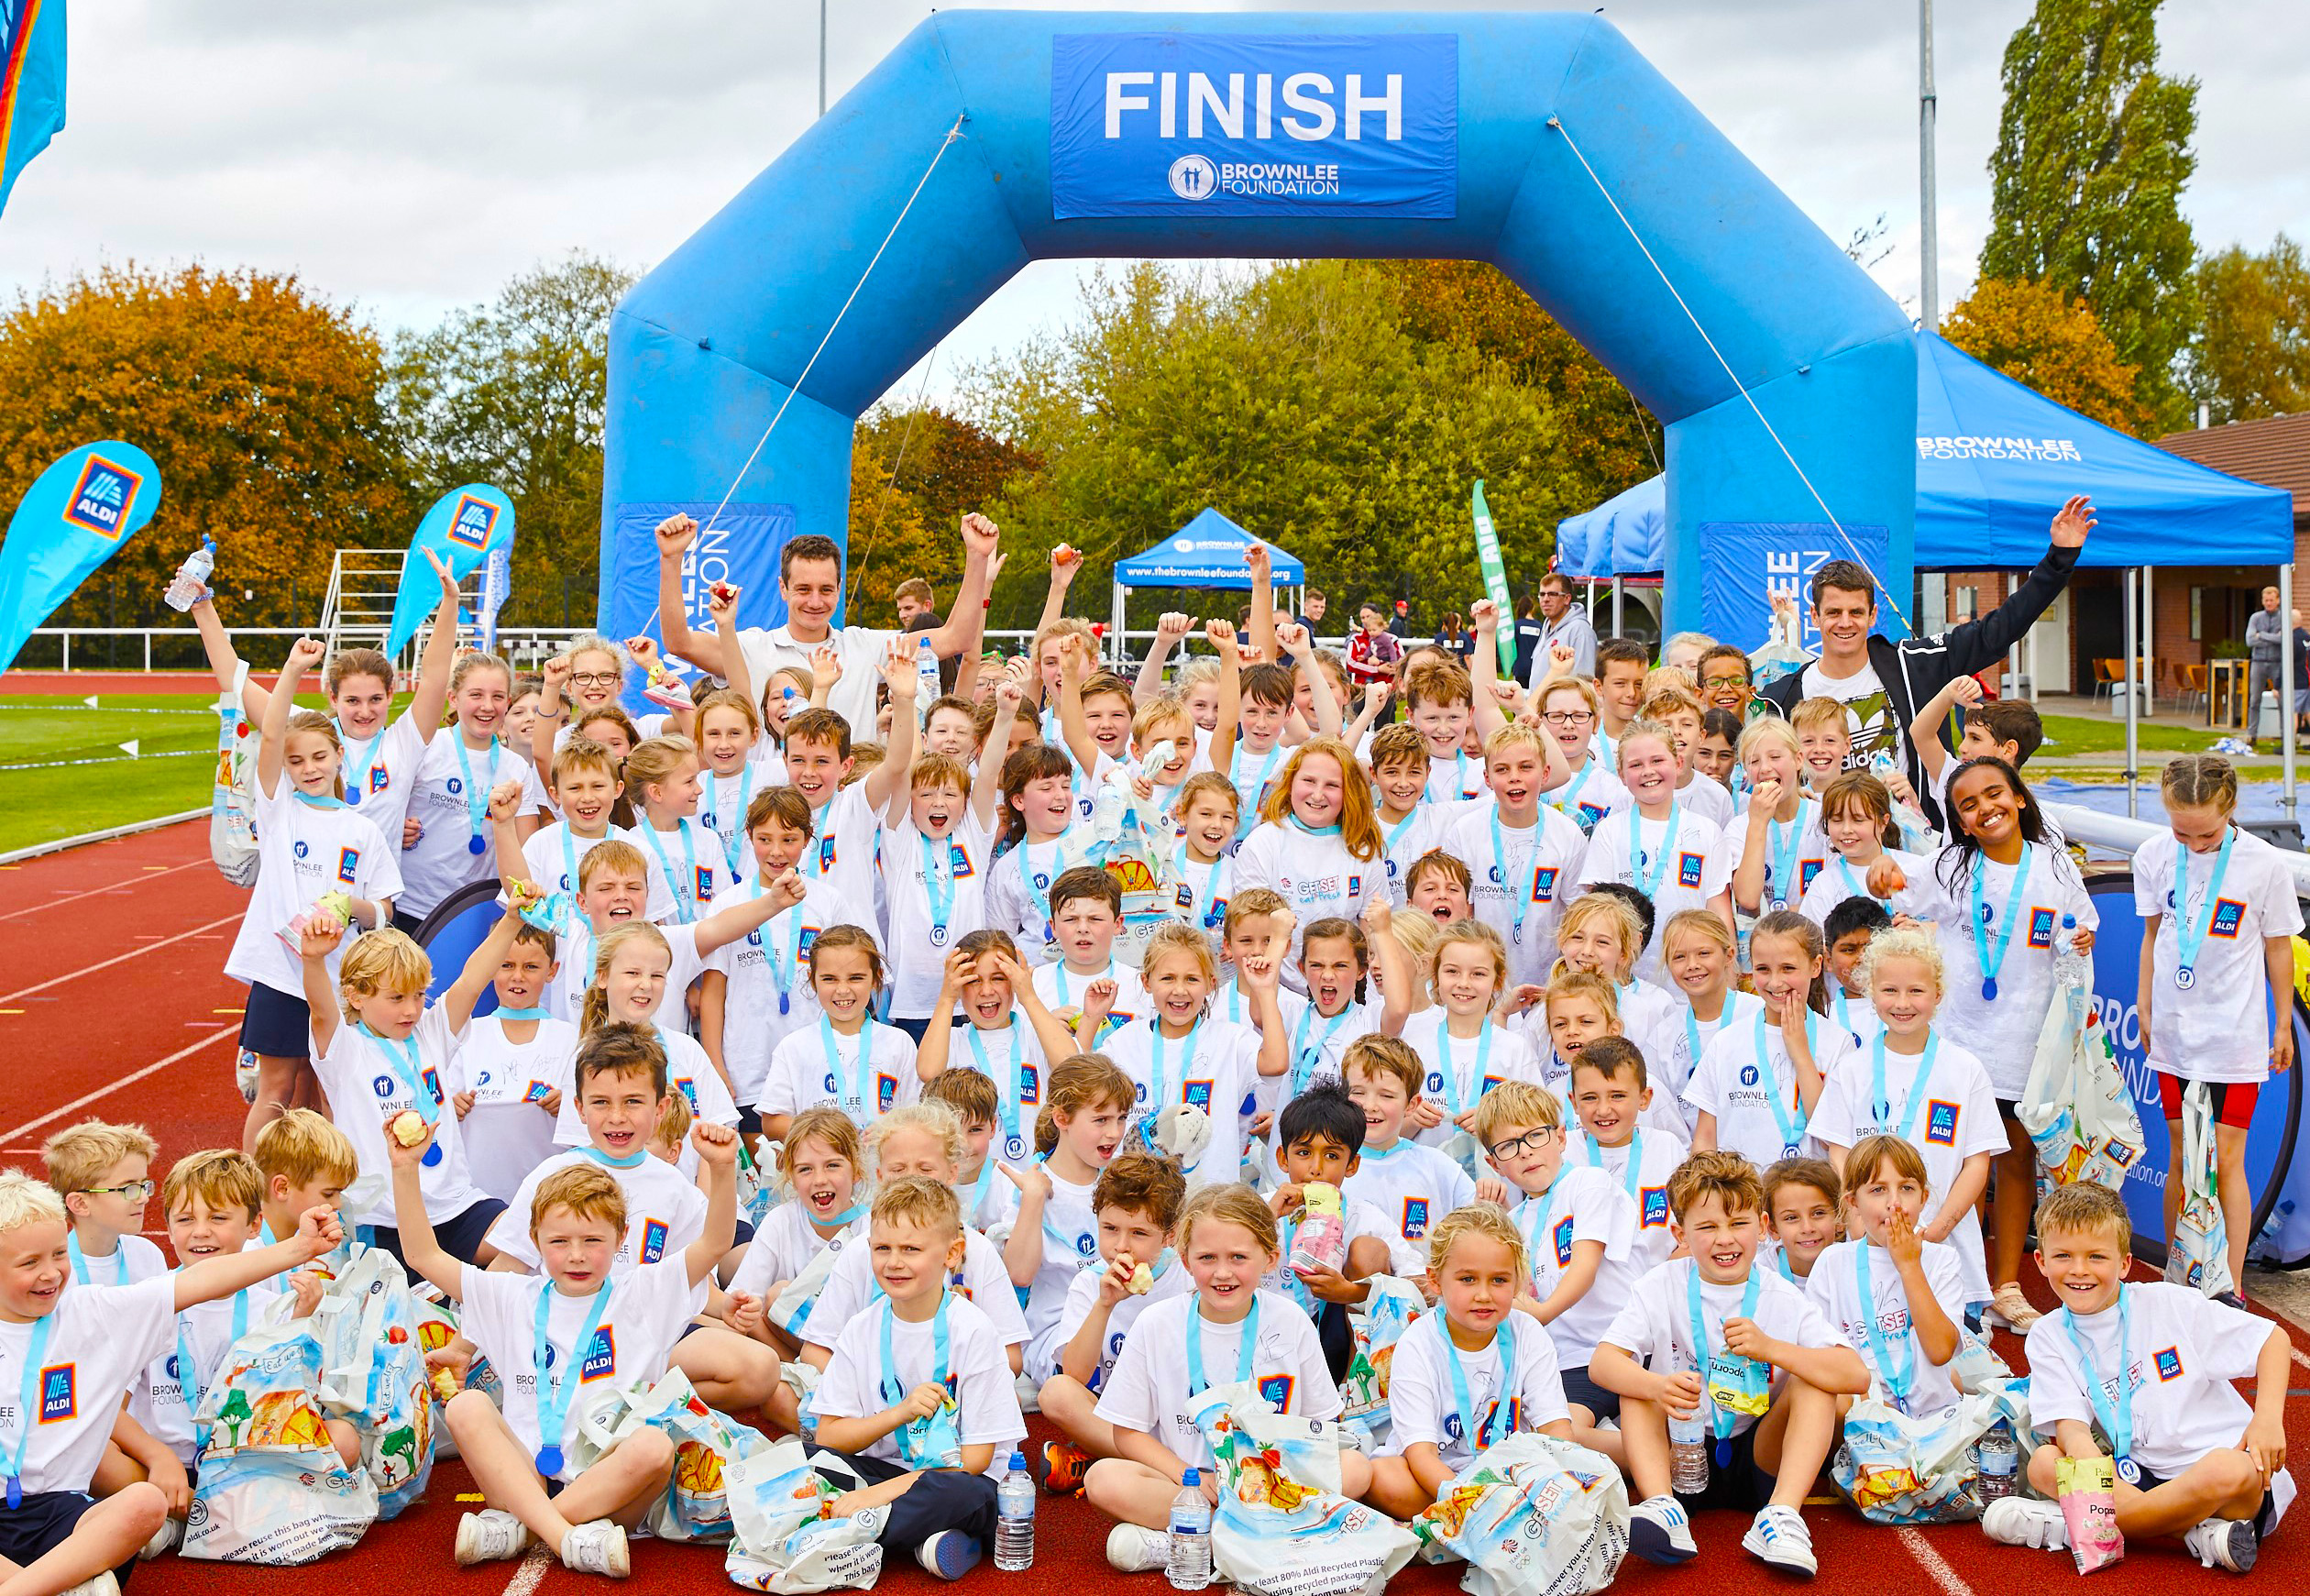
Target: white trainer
(2223, 1543)
(2022, 1521)
(1659, 1532)
(491, 1535)
(598, 1547)
(1777, 1538)
(1134, 1549)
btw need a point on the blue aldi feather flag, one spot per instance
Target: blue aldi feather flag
(75, 517)
(463, 527)
(31, 86)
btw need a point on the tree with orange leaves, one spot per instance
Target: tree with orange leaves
(2047, 341)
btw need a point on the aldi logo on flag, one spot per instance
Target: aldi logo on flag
(102, 498)
(472, 526)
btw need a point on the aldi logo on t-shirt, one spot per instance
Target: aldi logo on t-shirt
(1029, 1086)
(1355, 886)
(1655, 1207)
(1806, 870)
(1561, 1238)
(825, 854)
(602, 1356)
(2228, 915)
(1197, 1093)
(1689, 869)
(959, 861)
(1941, 1123)
(1416, 1219)
(2170, 1364)
(60, 1394)
(2041, 928)
(885, 1093)
(1544, 882)
(379, 778)
(349, 865)
(1275, 1390)
(654, 1232)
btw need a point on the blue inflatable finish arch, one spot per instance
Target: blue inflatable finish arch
(706, 348)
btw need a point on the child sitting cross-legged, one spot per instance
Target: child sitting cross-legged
(1741, 1349)
(918, 1395)
(2144, 1372)
(1896, 1298)
(1228, 1332)
(1470, 1375)
(1138, 1201)
(1320, 1133)
(582, 1324)
(86, 1348)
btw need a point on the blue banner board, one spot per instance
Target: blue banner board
(740, 547)
(1254, 124)
(1749, 562)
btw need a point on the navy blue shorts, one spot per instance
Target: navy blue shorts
(2265, 1516)
(44, 1521)
(1741, 1484)
(749, 1122)
(460, 1237)
(1579, 1387)
(276, 1024)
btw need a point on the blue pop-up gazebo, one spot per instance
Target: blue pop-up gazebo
(1206, 552)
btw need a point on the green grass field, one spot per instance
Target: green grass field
(2067, 736)
(42, 797)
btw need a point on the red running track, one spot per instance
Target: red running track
(113, 954)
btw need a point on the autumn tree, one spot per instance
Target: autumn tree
(2044, 341)
(2085, 182)
(258, 401)
(927, 467)
(516, 393)
(2252, 356)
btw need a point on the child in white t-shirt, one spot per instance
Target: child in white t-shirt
(849, 1058)
(550, 1338)
(1658, 845)
(1227, 1330)
(1524, 854)
(916, 1400)
(1896, 1298)
(2145, 1374)
(1087, 916)
(1446, 1012)
(2220, 917)
(1703, 962)
(1777, 842)
(1611, 1096)
(511, 1068)
(1036, 849)
(1475, 1351)
(1757, 1085)
(821, 1170)
(1320, 1135)
(1915, 1083)
(586, 789)
(1764, 1376)
(1317, 843)
(1605, 931)
(936, 857)
(1413, 1186)
(104, 1174)
(1804, 1215)
(1055, 1233)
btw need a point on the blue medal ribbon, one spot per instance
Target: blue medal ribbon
(1855, 888)
(2116, 1416)
(80, 1261)
(1883, 1103)
(937, 885)
(1037, 897)
(1792, 1120)
(188, 1385)
(1781, 855)
(1719, 1421)
(477, 799)
(358, 759)
(407, 1064)
(1304, 1057)
(1196, 1383)
(1451, 1067)
(1007, 1086)
(1569, 796)
(1205, 899)
(533, 1013)
(734, 847)
(1988, 963)
(1630, 1177)
(1159, 1088)
(1648, 878)
(1259, 782)
(1478, 1431)
(320, 800)
(1898, 1375)
(686, 905)
(633, 1161)
(1396, 832)
(28, 1404)
(2191, 926)
(556, 1375)
(912, 1436)
(861, 1070)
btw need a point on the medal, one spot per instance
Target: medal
(2184, 978)
(2128, 1470)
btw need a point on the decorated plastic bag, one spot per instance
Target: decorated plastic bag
(1379, 1325)
(1283, 1527)
(1134, 846)
(272, 1488)
(782, 1540)
(377, 1376)
(2076, 1105)
(1531, 1516)
(2199, 1256)
(232, 792)
(706, 1444)
(1901, 1467)
(790, 1310)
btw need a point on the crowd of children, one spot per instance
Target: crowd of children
(892, 1067)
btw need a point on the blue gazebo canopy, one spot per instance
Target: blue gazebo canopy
(1206, 552)
(1995, 459)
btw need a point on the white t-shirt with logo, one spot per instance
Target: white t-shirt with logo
(1453, 1082)
(1588, 795)
(206, 1334)
(856, 1385)
(2002, 1032)
(1147, 1390)
(1083, 1295)
(1834, 1287)
(919, 945)
(1411, 838)
(1423, 1400)
(365, 1091)
(1671, 1069)
(842, 852)
(1801, 842)
(1836, 881)
(379, 773)
(688, 1072)
(753, 1023)
(441, 861)
(2218, 1029)
(1214, 1068)
(2186, 1350)
(507, 1131)
(1534, 868)
(302, 851)
(1956, 1119)
(860, 650)
(1583, 1204)
(556, 867)
(802, 1075)
(647, 1313)
(1070, 1247)
(1061, 989)
(1655, 1324)
(1018, 894)
(102, 1339)
(1413, 1186)
(1698, 868)
(1655, 1154)
(664, 1212)
(1316, 876)
(984, 1279)
(1733, 1081)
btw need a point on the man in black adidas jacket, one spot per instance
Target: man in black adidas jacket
(1883, 682)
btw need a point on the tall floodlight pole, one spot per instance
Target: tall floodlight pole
(1929, 232)
(822, 56)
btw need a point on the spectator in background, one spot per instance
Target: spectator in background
(1399, 626)
(1563, 621)
(2301, 675)
(2265, 649)
(1374, 652)
(914, 600)
(1311, 608)
(1453, 638)
(1528, 628)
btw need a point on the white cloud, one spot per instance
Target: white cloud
(410, 157)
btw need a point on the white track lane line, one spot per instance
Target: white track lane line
(128, 1080)
(1934, 1564)
(533, 1571)
(119, 958)
(98, 891)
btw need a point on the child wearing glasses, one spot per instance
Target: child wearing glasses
(104, 1174)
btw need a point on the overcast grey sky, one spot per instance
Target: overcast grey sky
(409, 158)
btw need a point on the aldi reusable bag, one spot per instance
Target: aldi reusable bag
(1532, 1515)
(782, 1540)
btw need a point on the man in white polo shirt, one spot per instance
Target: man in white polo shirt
(810, 581)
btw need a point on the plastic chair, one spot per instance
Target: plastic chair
(2106, 676)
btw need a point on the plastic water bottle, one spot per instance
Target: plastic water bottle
(2000, 1459)
(1190, 1567)
(2071, 968)
(1689, 1450)
(927, 686)
(192, 577)
(1014, 1517)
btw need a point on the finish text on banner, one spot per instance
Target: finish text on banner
(1746, 564)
